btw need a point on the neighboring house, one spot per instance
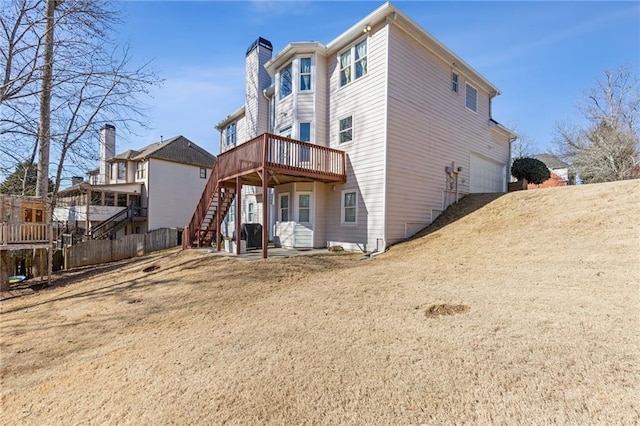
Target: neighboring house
(368, 139)
(561, 173)
(136, 191)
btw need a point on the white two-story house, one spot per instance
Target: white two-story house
(136, 191)
(409, 120)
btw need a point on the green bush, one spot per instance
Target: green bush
(534, 171)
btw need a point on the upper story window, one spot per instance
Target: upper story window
(141, 169)
(203, 173)
(353, 63)
(346, 129)
(454, 82)
(305, 74)
(304, 152)
(230, 135)
(119, 170)
(285, 81)
(471, 97)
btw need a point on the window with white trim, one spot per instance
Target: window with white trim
(250, 213)
(121, 170)
(230, 135)
(471, 97)
(203, 173)
(349, 208)
(304, 152)
(353, 63)
(141, 168)
(454, 81)
(305, 74)
(304, 208)
(231, 214)
(285, 81)
(283, 213)
(346, 129)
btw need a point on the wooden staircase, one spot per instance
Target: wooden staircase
(108, 228)
(208, 215)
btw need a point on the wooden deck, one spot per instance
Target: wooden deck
(24, 235)
(265, 161)
(287, 160)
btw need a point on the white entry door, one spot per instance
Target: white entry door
(303, 232)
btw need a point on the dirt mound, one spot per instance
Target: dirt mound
(445, 309)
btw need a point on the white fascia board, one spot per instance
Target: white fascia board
(239, 113)
(289, 51)
(444, 53)
(499, 128)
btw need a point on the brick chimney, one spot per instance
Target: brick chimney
(107, 150)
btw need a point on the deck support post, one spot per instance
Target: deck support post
(4, 270)
(218, 217)
(238, 217)
(265, 195)
(265, 212)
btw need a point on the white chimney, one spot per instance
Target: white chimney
(257, 79)
(107, 150)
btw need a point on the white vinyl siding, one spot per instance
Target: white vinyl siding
(365, 100)
(174, 190)
(428, 129)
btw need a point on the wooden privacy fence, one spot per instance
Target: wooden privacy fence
(94, 252)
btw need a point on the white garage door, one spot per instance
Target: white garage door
(486, 175)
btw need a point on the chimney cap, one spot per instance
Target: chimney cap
(109, 126)
(260, 42)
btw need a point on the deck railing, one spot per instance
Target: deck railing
(278, 152)
(23, 233)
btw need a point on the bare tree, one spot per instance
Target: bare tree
(93, 82)
(607, 148)
(521, 147)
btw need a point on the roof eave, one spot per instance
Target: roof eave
(230, 118)
(289, 51)
(443, 52)
(356, 30)
(497, 127)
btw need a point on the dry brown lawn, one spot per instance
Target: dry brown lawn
(524, 311)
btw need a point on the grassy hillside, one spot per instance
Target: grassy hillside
(519, 309)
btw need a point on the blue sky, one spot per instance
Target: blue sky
(542, 55)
